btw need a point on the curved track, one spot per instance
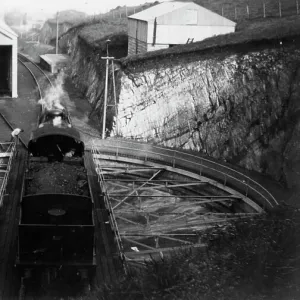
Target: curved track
(159, 198)
(40, 77)
(116, 149)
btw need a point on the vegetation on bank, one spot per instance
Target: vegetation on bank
(34, 50)
(251, 27)
(250, 259)
(237, 10)
(262, 31)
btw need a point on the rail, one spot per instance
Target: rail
(22, 59)
(11, 128)
(112, 218)
(190, 162)
(36, 80)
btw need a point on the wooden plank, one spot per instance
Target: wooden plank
(105, 243)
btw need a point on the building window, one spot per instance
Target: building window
(191, 17)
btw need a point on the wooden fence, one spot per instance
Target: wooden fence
(235, 12)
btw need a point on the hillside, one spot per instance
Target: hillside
(69, 16)
(237, 10)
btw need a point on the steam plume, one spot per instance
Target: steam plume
(54, 94)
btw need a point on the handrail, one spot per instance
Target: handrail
(176, 157)
(11, 150)
(113, 221)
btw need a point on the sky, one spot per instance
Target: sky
(51, 6)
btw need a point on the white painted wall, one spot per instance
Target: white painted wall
(178, 34)
(15, 70)
(190, 21)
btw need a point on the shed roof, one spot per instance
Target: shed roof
(4, 28)
(164, 8)
(155, 11)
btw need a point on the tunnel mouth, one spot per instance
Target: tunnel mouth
(6, 73)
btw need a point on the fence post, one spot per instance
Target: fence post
(235, 13)
(248, 11)
(264, 7)
(279, 6)
(297, 7)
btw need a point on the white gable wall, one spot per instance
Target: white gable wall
(178, 34)
(186, 21)
(193, 14)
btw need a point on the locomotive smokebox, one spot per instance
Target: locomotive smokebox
(55, 137)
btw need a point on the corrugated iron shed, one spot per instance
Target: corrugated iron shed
(173, 23)
(165, 8)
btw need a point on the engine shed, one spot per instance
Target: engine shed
(8, 61)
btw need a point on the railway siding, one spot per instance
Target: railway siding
(108, 261)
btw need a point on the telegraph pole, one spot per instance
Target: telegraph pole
(56, 33)
(107, 58)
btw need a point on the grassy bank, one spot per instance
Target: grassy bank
(249, 259)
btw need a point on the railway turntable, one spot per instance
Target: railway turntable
(163, 200)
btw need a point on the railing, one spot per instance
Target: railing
(194, 163)
(6, 154)
(108, 206)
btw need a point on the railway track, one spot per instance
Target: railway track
(40, 77)
(116, 149)
(138, 153)
(118, 161)
(6, 129)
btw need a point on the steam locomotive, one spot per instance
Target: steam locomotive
(55, 136)
(56, 229)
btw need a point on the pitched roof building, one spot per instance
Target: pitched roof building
(8, 61)
(173, 23)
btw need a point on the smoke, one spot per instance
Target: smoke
(54, 94)
(57, 121)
